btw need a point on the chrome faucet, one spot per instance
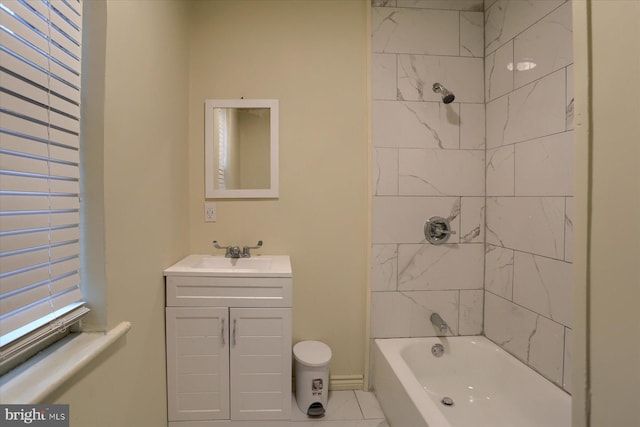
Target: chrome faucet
(235, 251)
(439, 323)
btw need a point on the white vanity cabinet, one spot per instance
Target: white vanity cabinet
(228, 347)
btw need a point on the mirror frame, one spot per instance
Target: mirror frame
(213, 193)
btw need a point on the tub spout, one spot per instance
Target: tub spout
(439, 323)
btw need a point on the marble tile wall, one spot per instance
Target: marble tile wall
(529, 182)
(497, 162)
(428, 160)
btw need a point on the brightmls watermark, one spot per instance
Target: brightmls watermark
(34, 415)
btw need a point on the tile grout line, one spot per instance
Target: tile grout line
(359, 404)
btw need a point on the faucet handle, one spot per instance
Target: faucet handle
(230, 251)
(437, 230)
(246, 250)
(258, 246)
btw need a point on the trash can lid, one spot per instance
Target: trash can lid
(312, 353)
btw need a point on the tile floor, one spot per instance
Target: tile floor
(345, 409)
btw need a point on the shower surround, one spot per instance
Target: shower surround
(506, 273)
(428, 160)
(529, 178)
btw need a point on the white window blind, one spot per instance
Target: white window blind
(40, 46)
(223, 141)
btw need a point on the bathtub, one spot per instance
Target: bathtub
(488, 386)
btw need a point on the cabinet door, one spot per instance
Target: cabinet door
(197, 363)
(260, 363)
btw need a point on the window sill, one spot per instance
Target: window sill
(41, 375)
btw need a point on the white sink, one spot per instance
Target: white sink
(219, 266)
(256, 264)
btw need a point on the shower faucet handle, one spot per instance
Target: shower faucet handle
(437, 230)
(441, 231)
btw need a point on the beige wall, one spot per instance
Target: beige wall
(146, 174)
(613, 263)
(609, 190)
(311, 55)
(144, 182)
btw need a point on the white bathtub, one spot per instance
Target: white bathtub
(489, 387)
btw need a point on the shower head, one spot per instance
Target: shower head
(447, 97)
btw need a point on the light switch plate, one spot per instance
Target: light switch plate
(209, 212)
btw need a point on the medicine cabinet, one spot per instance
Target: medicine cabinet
(241, 148)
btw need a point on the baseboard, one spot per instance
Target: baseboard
(340, 382)
(346, 382)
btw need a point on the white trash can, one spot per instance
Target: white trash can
(312, 376)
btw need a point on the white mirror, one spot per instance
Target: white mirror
(241, 148)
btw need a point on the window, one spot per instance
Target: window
(40, 295)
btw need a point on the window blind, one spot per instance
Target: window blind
(223, 141)
(40, 58)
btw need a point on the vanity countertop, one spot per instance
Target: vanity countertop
(219, 266)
